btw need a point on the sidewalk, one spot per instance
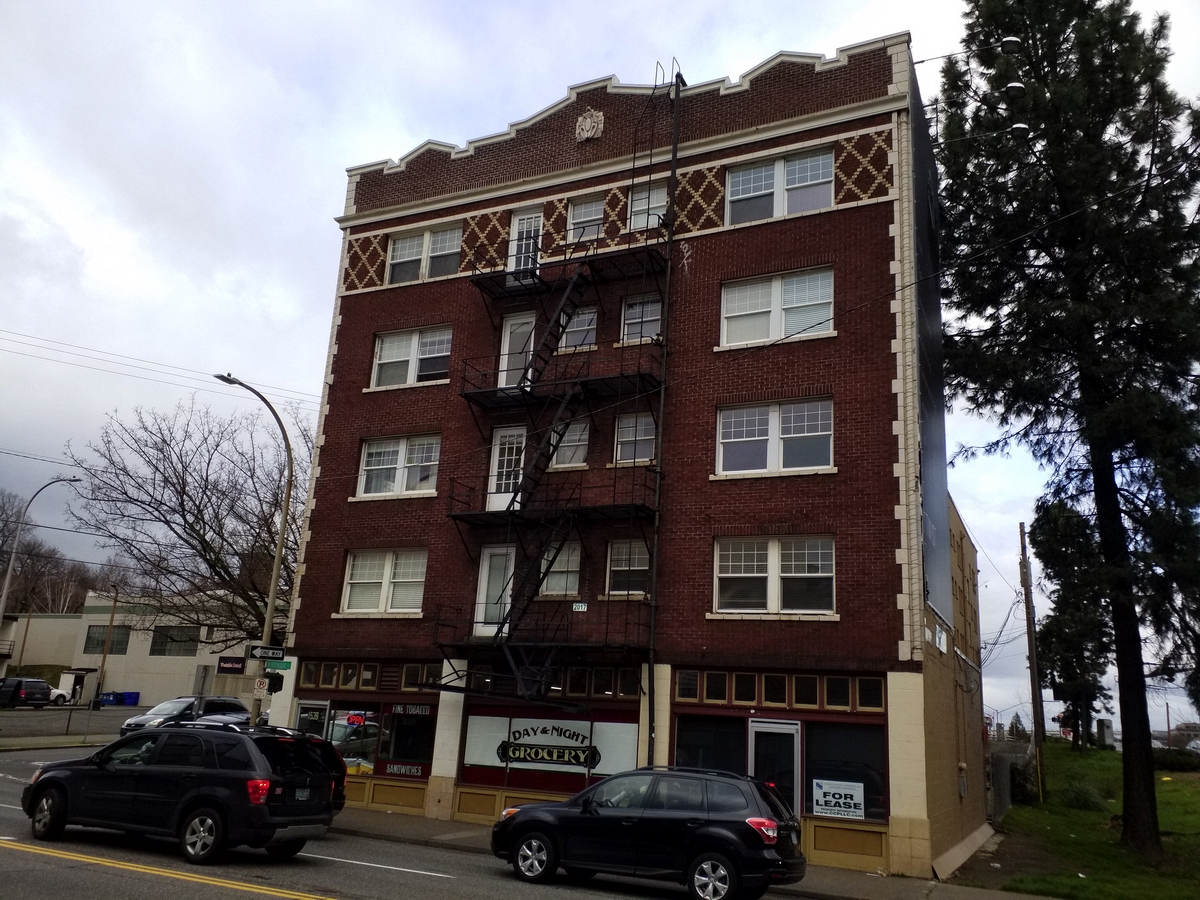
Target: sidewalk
(821, 883)
(52, 742)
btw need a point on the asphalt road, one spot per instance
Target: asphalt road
(100, 865)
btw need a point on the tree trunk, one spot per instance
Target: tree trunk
(1139, 814)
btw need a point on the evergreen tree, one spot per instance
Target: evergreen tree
(1071, 260)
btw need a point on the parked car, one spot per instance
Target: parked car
(59, 697)
(208, 786)
(20, 691)
(183, 709)
(723, 836)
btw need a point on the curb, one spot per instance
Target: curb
(60, 746)
(400, 839)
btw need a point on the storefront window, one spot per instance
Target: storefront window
(354, 731)
(711, 742)
(406, 740)
(845, 768)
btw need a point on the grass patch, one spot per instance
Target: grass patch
(1071, 835)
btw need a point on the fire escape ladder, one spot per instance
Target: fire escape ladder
(552, 333)
(535, 469)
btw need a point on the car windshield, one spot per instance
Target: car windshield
(289, 756)
(172, 707)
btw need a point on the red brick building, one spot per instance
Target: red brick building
(632, 451)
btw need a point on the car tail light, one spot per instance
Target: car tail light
(768, 828)
(22, 693)
(257, 788)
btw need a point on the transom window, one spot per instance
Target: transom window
(780, 187)
(775, 437)
(430, 254)
(642, 318)
(580, 330)
(400, 465)
(635, 437)
(562, 576)
(773, 575)
(385, 580)
(628, 567)
(408, 357)
(779, 307)
(587, 219)
(647, 206)
(572, 449)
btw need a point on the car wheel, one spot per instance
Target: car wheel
(284, 849)
(580, 874)
(60, 701)
(712, 877)
(202, 836)
(49, 815)
(535, 859)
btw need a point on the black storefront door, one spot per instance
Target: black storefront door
(775, 756)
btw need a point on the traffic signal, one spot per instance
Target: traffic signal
(274, 682)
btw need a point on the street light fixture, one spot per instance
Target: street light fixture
(269, 619)
(12, 556)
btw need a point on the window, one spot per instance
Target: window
(308, 674)
(572, 447)
(679, 794)
(745, 688)
(430, 254)
(647, 207)
(580, 330)
(780, 307)
(577, 682)
(629, 683)
(870, 693)
(602, 682)
(399, 465)
(716, 687)
(409, 357)
(587, 220)
(687, 685)
(848, 753)
(562, 576)
(777, 437)
(711, 742)
(385, 580)
(181, 750)
(635, 437)
(790, 575)
(807, 693)
(774, 690)
(175, 640)
(642, 319)
(628, 567)
(368, 676)
(329, 673)
(807, 182)
(524, 244)
(837, 692)
(118, 644)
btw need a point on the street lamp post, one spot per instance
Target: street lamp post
(12, 556)
(269, 619)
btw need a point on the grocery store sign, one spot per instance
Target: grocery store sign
(551, 744)
(838, 799)
(570, 747)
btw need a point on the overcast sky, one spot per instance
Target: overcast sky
(169, 174)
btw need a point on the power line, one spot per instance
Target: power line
(37, 458)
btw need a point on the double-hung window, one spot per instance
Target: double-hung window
(409, 357)
(781, 186)
(429, 254)
(580, 330)
(775, 437)
(781, 307)
(647, 207)
(587, 220)
(628, 567)
(635, 437)
(641, 319)
(572, 446)
(562, 575)
(774, 575)
(400, 465)
(385, 580)
(525, 241)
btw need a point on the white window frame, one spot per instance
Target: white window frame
(515, 250)
(483, 628)
(567, 564)
(640, 421)
(577, 434)
(428, 238)
(645, 209)
(574, 326)
(822, 545)
(583, 228)
(796, 168)
(428, 335)
(503, 438)
(643, 299)
(789, 293)
(394, 562)
(608, 579)
(405, 447)
(776, 424)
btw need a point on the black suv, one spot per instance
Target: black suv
(184, 709)
(24, 692)
(722, 835)
(209, 786)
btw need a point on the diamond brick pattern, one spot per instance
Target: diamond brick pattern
(366, 258)
(700, 200)
(485, 241)
(615, 205)
(554, 224)
(861, 168)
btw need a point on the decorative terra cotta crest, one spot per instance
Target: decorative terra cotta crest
(589, 126)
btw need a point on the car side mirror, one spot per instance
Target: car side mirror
(585, 806)
(97, 758)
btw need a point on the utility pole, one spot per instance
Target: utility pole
(1039, 719)
(1168, 726)
(112, 615)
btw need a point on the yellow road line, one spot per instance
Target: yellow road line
(166, 873)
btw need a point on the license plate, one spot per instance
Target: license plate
(302, 793)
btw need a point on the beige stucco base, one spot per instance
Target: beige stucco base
(483, 805)
(439, 797)
(946, 864)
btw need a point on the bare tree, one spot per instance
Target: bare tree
(190, 500)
